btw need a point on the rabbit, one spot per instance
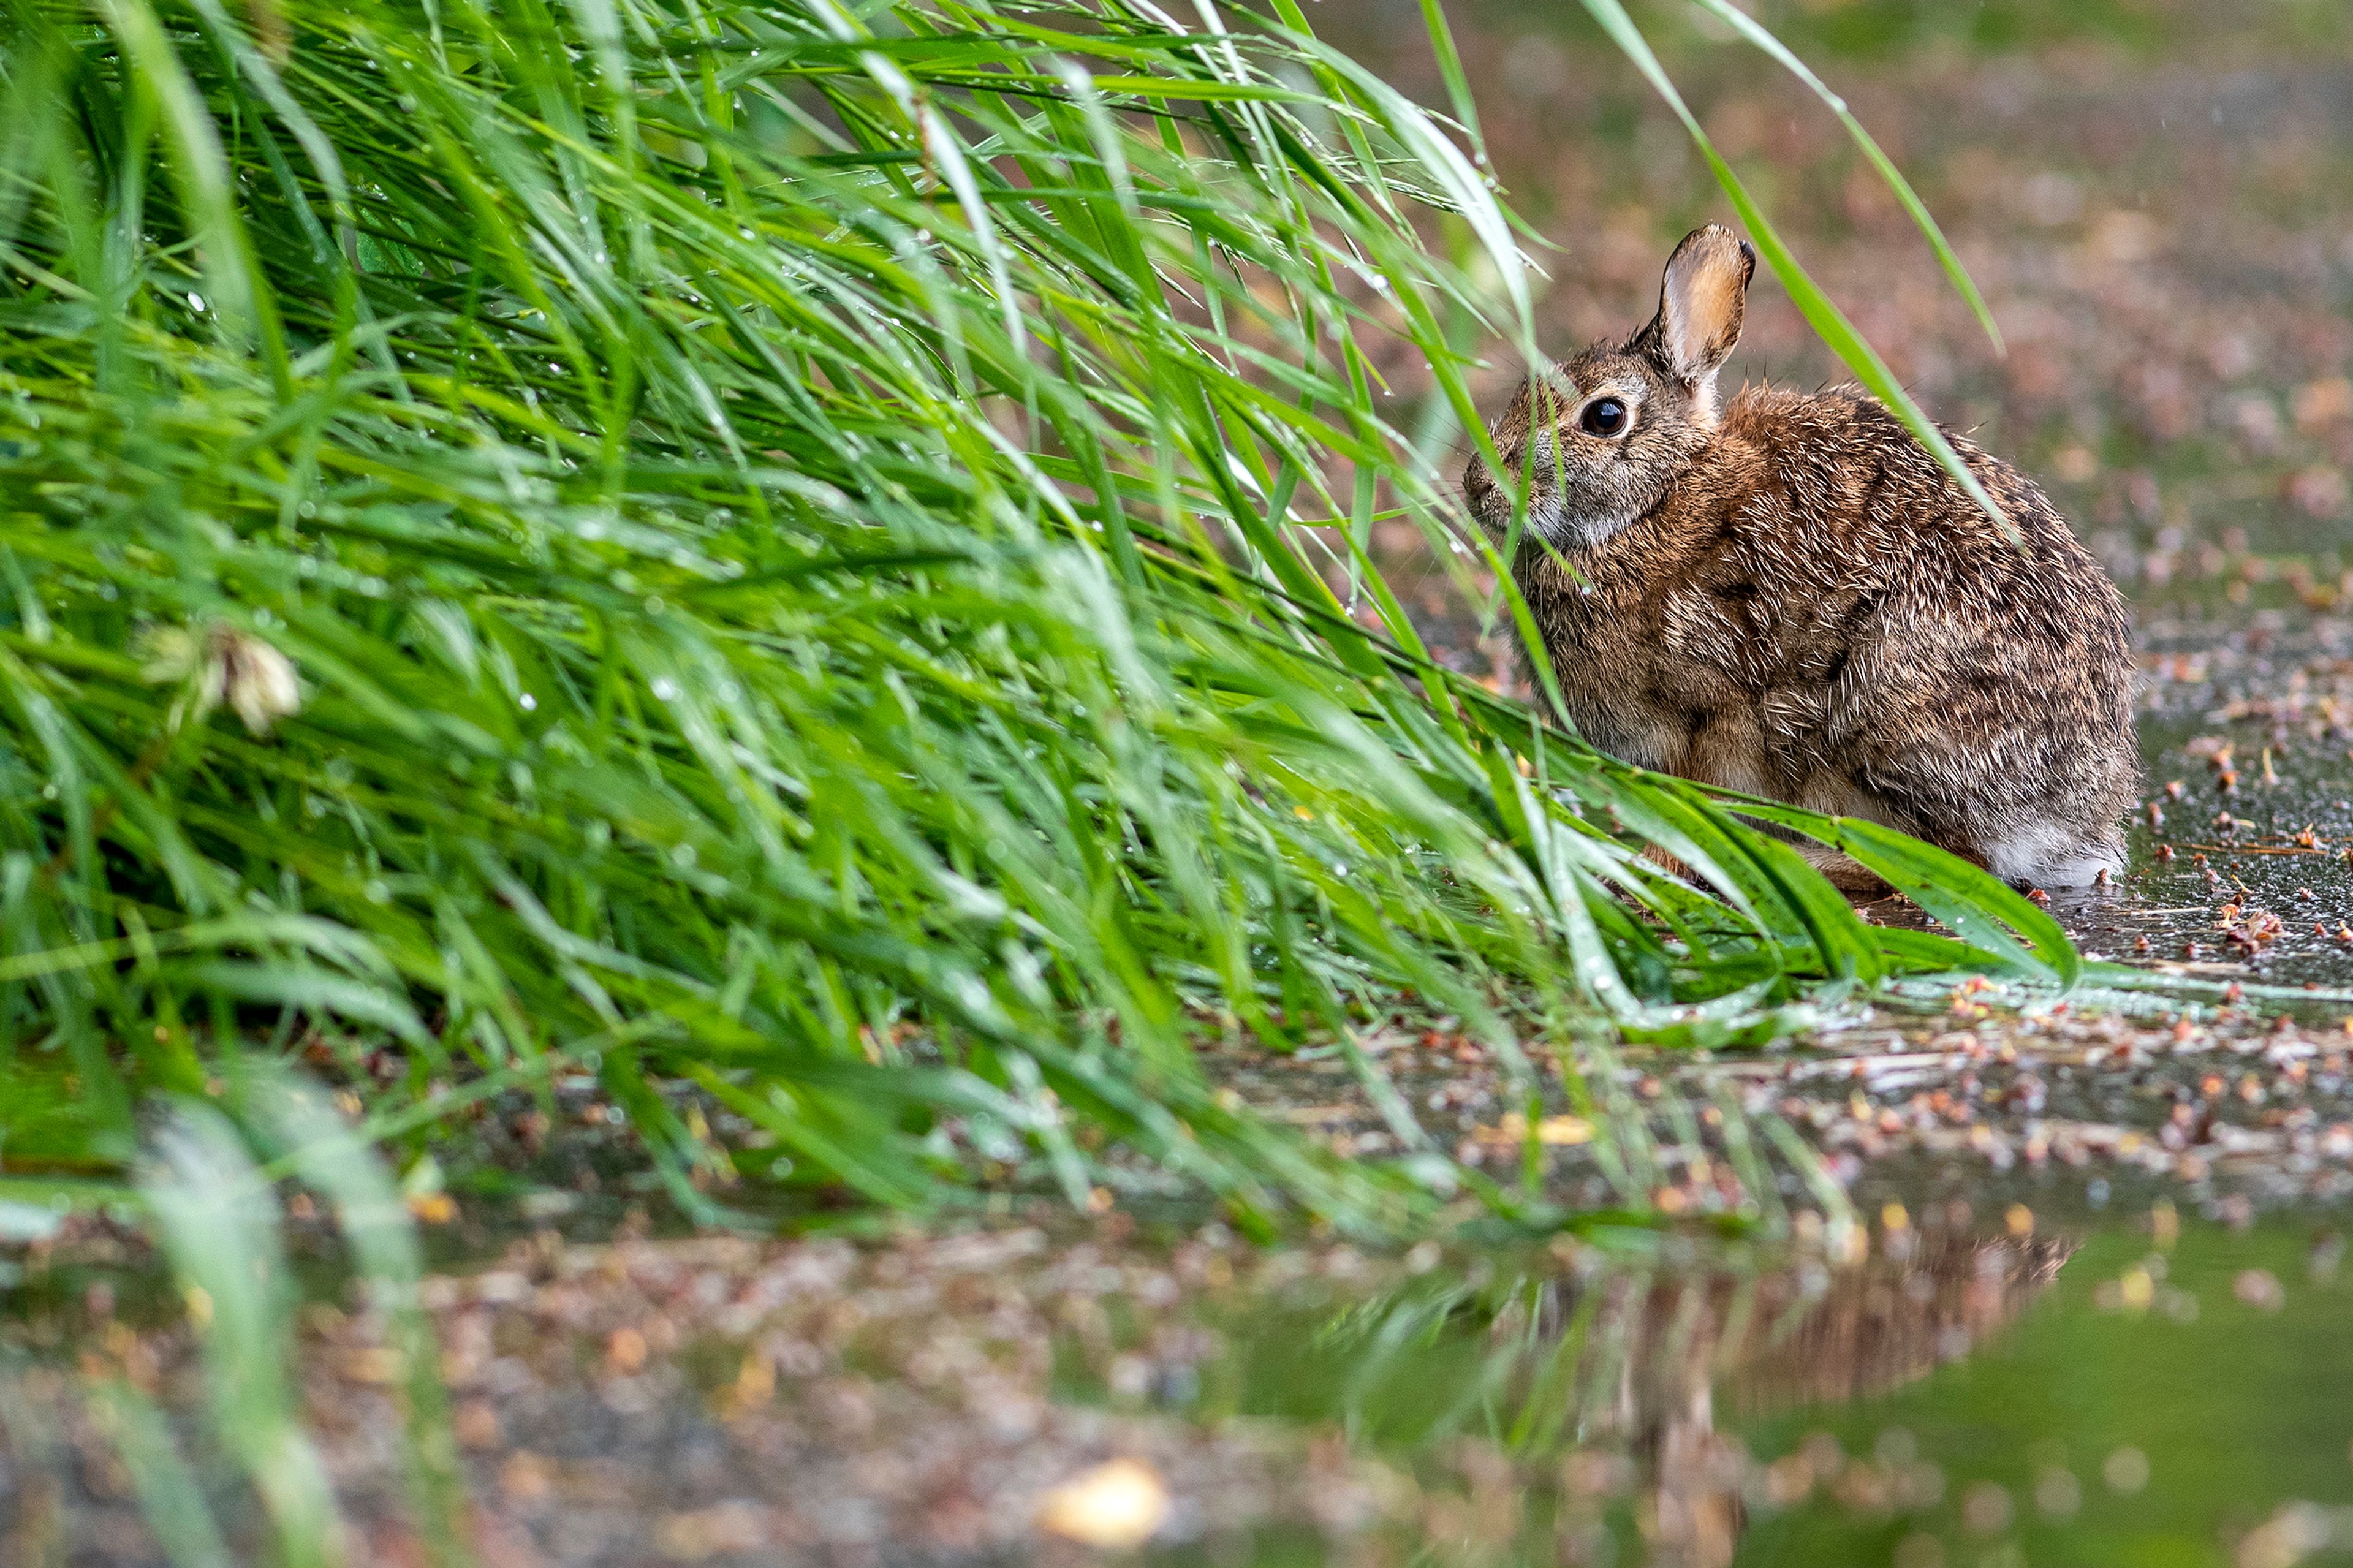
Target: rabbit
(1784, 594)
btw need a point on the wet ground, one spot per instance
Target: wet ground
(2155, 1391)
(2248, 728)
(2064, 1288)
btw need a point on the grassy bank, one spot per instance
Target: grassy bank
(812, 553)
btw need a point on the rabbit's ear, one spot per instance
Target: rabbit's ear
(1700, 304)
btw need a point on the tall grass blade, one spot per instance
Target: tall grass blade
(327, 1156)
(1756, 33)
(1822, 313)
(170, 1497)
(218, 1221)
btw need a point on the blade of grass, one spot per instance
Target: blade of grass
(1829, 323)
(1749, 28)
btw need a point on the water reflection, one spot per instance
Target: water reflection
(1588, 1410)
(1874, 1328)
(2169, 1391)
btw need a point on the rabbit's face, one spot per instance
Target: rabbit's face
(1596, 440)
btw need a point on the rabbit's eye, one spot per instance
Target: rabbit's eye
(1603, 416)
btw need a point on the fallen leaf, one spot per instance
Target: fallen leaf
(1554, 1131)
(1117, 1505)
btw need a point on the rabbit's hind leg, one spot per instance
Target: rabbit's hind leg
(1843, 871)
(1834, 795)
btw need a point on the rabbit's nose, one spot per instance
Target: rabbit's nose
(1478, 479)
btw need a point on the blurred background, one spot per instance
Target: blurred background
(2153, 195)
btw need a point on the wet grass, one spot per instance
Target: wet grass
(726, 555)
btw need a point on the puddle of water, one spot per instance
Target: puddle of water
(2137, 1399)
(2182, 1406)
(2147, 1394)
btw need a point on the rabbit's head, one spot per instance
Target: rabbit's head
(1599, 436)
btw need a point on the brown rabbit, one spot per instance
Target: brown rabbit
(1787, 596)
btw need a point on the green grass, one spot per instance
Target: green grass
(816, 551)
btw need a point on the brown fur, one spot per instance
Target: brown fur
(1793, 599)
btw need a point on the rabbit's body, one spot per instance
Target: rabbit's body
(1793, 599)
